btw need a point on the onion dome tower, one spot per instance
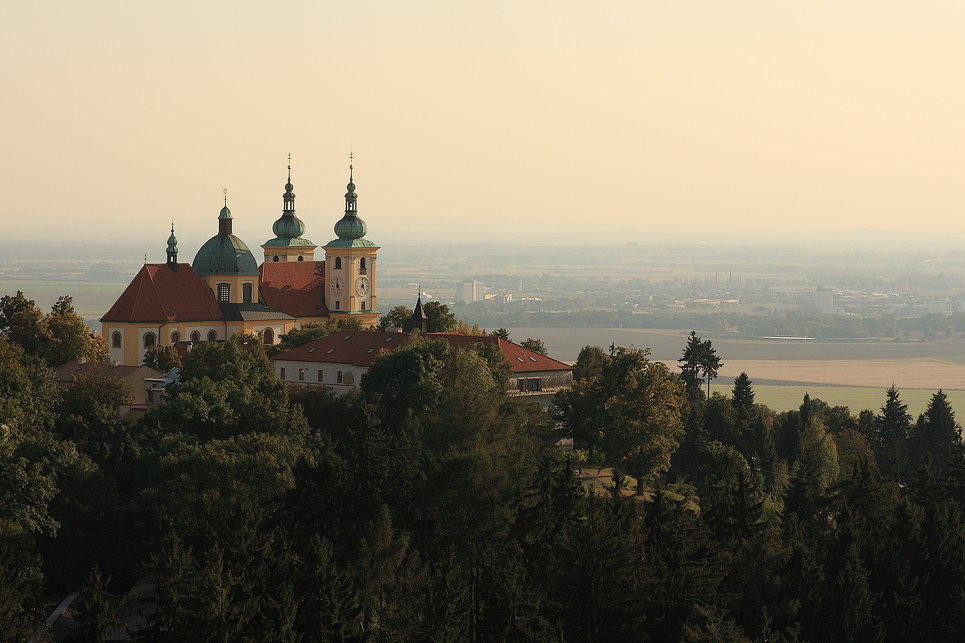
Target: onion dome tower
(226, 264)
(172, 250)
(288, 244)
(350, 263)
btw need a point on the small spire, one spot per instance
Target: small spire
(226, 197)
(351, 159)
(289, 167)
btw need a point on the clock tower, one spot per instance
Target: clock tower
(350, 266)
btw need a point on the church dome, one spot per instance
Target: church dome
(288, 226)
(224, 253)
(350, 227)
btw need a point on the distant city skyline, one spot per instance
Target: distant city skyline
(478, 122)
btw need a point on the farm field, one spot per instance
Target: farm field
(91, 298)
(786, 398)
(853, 374)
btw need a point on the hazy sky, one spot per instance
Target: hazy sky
(481, 120)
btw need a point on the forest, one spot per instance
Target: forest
(433, 505)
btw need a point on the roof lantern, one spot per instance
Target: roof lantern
(172, 250)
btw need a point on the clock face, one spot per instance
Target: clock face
(362, 286)
(338, 285)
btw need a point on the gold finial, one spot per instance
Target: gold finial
(289, 165)
(226, 197)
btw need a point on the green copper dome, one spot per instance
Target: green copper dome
(288, 228)
(224, 253)
(350, 228)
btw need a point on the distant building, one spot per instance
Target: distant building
(339, 361)
(135, 376)
(824, 299)
(467, 292)
(224, 291)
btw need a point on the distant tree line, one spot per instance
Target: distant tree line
(791, 323)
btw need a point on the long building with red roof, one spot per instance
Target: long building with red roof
(224, 291)
(339, 361)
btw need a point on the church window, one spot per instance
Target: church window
(363, 305)
(212, 335)
(175, 337)
(195, 336)
(269, 337)
(224, 292)
(338, 305)
(275, 258)
(116, 339)
(320, 375)
(301, 374)
(282, 375)
(301, 258)
(362, 269)
(338, 377)
(246, 292)
(338, 263)
(149, 340)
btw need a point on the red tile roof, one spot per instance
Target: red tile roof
(159, 294)
(361, 347)
(521, 359)
(294, 287)
(72, 370)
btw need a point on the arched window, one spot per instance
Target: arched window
(116, 339)
(275, 258)
(149, 340)
(301, 258)
(269, 336)
(246, 292)
(195, 336)
(212, 335)
(175, 337)
(362, 270)
(338, 263)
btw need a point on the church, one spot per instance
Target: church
(224, 291)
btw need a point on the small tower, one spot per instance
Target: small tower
(419, 320)
(288, 244)
(172, 250)
(224, 218)
(350, 264)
